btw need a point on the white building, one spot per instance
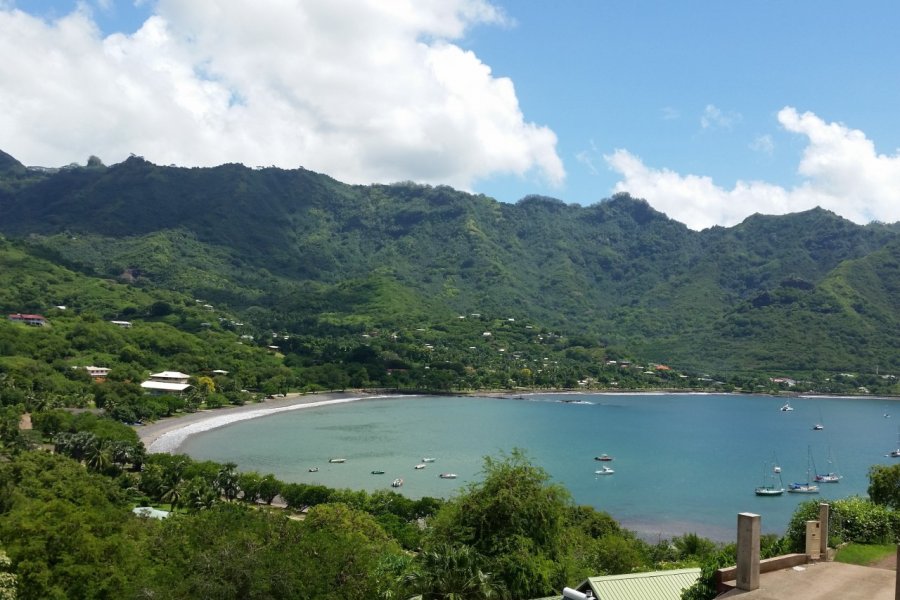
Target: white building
(167, 382)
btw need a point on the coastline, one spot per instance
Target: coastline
(167, 435)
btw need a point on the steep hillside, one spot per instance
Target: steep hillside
(298, 250)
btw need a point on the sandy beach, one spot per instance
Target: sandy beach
(166, 435)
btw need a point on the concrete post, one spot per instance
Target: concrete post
(823, 523)
(897, 579)
(748, 551)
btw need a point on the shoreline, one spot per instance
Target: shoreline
(167, 434)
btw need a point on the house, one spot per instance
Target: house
(122, 324)
(655, 585)
(148, 512)
(167, 382)
(98, 373)
(33, 320)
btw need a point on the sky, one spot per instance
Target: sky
(711, 111)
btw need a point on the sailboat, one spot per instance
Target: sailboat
(831, 476)
(808, 487)
(896, 453)
(768, 487)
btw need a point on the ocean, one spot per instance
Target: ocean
(683, 463)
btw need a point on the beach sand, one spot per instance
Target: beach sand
(166, 435)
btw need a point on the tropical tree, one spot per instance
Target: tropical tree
(228, 481)
(884, 485)
(516, 519)
(199, 494)
(451, 573)
(269, 487)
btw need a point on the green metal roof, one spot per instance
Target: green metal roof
(655, 585)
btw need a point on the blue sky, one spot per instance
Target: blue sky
(710, 110)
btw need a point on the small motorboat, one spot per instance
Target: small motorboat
(377, 472)
(603, 458)
(818, 427)
(605, 471)
(828, 478)
(397, 482)
(427, 460)
(447, 475)
(421, 466)
(314, 469)
(337, 460)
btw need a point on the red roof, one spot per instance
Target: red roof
(19, 316)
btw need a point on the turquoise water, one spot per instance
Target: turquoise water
(684, 463)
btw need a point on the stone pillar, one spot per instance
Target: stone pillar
(748, 551)
(897, 579)
(823, 523)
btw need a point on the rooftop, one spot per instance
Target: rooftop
(658, 585)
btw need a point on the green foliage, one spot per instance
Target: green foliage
(851, 520)
(618, 274)
(67, 532)
(515, 518)
(884, 485)
(705, 587)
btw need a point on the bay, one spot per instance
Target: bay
(683, 463)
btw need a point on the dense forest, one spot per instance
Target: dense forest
(803, 295)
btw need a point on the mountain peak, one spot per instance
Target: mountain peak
(9, 165)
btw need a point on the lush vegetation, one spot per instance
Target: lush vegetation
(807, 295)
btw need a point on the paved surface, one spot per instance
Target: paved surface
(823, 581)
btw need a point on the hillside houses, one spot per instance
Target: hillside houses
(33, 320)
(167, 382)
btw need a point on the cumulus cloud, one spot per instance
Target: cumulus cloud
(841, 171)
(364, 90)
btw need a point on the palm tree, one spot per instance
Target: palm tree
(452, 573)
(97, 455)
(199, 495)
(227, 481)
(174, 493)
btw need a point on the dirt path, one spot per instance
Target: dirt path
(888, 562)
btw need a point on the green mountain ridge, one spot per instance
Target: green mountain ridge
(296, 250)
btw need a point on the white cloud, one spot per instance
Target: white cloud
(587, 158)
(714, 118)
(669, 113)
(842, 172)
(764, 144)
(364, 90)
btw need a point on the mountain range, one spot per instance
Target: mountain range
(298, 251)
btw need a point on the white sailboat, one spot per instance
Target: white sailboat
(831, 476)
(769, 487)
(808, 487)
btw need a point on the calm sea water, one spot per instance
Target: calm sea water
(683, 463)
